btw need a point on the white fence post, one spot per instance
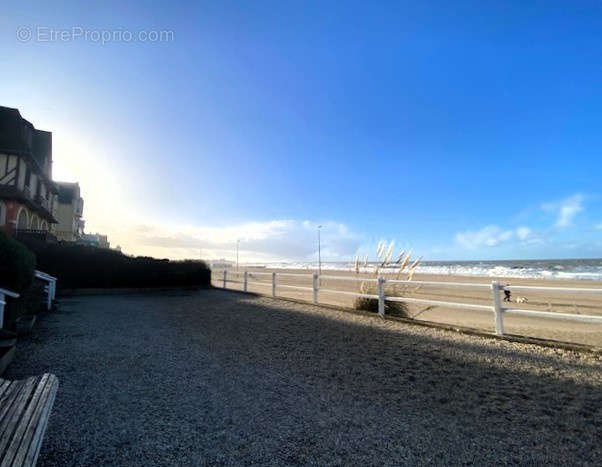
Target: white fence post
(246, 280)
(381, 296)
(49, 296)
(315, 287)
(273, 284)
(225, 277)
(497, 308)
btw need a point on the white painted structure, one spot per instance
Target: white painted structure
(496, 308)
(3, 294)
(50, 287)
(50, 290)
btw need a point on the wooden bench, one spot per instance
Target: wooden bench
(24, 410)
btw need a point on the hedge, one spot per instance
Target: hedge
(17, 264)
(82, 266)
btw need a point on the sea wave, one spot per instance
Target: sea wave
(543, 269)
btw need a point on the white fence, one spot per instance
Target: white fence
(496, 308)
(49, 288)
(3, 294)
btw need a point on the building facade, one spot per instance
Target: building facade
(97, 240)
(69, 212)
(27, 192)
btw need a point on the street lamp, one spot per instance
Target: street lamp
(319, 253)
(237, 245)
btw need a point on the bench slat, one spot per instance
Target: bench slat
(32, 441)
(25, 418)
(4, 384)
(11, 419)
(24, 411)
(32, 455)
(7, 404)
(22, 437)
(10, 407)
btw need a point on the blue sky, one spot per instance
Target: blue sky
(463, 130)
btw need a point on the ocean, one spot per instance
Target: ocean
(576, 269)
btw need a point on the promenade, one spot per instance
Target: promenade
(218, 377)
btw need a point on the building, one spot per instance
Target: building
(221, 264)
(97, 240)
(27, 192)
(69, 211)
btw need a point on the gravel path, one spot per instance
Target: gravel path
(215, 377)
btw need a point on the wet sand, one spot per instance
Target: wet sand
(560, 302)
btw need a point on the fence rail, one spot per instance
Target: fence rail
(496, 308)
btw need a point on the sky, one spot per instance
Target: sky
(461, 130)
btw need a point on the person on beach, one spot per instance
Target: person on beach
(507, 295)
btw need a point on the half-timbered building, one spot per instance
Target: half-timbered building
(27, 192)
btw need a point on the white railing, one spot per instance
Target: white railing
(496, 308)
(3, 294)
(49, 288)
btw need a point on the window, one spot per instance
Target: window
(22, 219)
(2, 214)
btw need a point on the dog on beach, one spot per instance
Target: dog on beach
(521, 300)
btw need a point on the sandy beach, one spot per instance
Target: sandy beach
(561, 302)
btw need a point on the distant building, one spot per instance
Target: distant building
(97, 240)
(69, 212)
(221, 264)
(27, 192)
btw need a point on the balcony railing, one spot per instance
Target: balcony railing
(25, 194)
(45, 203)
(36, 234)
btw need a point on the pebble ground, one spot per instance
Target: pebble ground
(220, 378)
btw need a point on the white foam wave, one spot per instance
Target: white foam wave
(551, 271)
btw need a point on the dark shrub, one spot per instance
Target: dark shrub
(391, 308)
(81, 266)
(17, 264)
(31, 301)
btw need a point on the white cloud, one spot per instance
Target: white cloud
(599, 226)
(523, 233)
(565, 209)
(492, 236)
(275, 240)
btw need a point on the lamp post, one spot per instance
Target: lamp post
(319, 253)
(237, 245)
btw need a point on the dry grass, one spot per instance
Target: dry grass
(404, 269)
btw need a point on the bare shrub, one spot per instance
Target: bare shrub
(403, 268)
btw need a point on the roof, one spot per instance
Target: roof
(18, 136)
(67, 192)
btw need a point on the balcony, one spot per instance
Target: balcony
(45, 203)
(43, 236)
(36, 203)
